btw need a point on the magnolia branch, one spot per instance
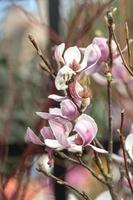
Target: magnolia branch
(61, 182)
(47, 66)
(80, 162)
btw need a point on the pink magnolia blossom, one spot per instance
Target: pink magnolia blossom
(68, 110)
(57, 135)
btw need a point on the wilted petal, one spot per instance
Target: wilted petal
(63, 76)
(129, 145)
(57, 97)
(71, 54)
(69, 109)
(32, 137)
(60, 132)
(98, 149)
(86, 127)
(58, 53)
(47, 133)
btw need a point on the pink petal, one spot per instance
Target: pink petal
(69, 109)
(59, 132)
(101, 42)
(91, 57)
(71, 54)
(32, 137)
(47, 133)
(86, 127)
(100, 79)
(118, 69)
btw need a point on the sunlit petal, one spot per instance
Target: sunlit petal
(71, 54)
(58, 53)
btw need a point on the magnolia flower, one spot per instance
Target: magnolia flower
(57, 135)
(68, 110)
(73, 63)
(129, 143)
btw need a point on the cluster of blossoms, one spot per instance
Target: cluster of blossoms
(68, 127)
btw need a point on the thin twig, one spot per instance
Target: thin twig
(111, 26)
(61, 182)
(44, 68)
(39, 52)
(119, 131)
(128, 44)
(80, 162)
(121, 54)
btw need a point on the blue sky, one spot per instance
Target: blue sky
(29, 5)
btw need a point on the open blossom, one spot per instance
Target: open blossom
(67, 110)
(57, 135)
(73, 63)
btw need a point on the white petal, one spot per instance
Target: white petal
(63, 76)
(75, 148)
(129, 145)
(57, 97)
(52, 143)
(98, 149)
(55, 111)
(104, 196)
(58, 53)
(72, 53)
